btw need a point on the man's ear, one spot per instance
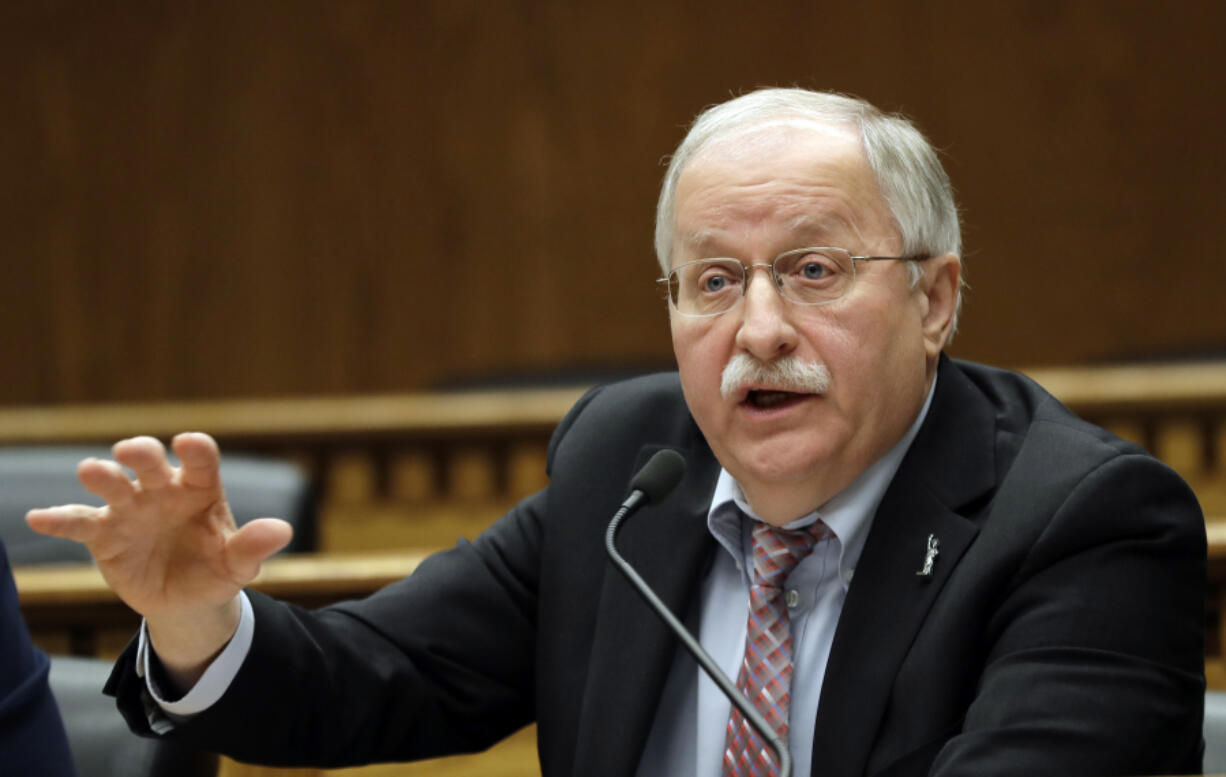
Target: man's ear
(939, 284)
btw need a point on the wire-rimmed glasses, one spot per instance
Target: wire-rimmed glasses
(803, 276)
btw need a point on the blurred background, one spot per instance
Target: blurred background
(232, 199)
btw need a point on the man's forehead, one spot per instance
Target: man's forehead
(810, 181)
(804, 160)
(808, 228)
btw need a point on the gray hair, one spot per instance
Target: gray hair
(908, 172)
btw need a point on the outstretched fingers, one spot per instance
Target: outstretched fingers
(74, 522)
(147, 458)
(107, 480)
(82, 523)
(199, 458)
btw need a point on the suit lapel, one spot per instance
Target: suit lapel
(669, 546)
(949, 467)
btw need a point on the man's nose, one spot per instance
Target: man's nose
(766, 330)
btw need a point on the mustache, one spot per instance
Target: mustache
(786, 374)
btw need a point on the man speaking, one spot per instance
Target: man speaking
(910, 565)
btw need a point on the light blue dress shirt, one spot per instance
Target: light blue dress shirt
(687, 737)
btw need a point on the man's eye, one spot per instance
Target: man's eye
(715, 283)
(814, 270)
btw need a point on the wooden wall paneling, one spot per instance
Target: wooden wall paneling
(233, 199)
(526, 468)
(1180, 443)
(412, 475)
(1211, 489)
(383, 526)
(352, 477)
(473, 474)
(1128, 428)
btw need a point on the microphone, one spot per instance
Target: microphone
(656, 480)
(658, 477)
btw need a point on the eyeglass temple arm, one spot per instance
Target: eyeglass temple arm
(912, 258)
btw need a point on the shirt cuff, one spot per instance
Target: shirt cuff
(216, 678)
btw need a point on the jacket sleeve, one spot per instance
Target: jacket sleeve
(439, 663)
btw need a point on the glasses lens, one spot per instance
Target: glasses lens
(706, 287)
(811, 276)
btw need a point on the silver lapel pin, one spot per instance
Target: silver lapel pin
(930, 556)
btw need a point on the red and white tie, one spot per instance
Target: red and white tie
(766, 671)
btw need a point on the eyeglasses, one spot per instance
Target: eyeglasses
(802, 276)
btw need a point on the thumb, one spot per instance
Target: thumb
(254, 542)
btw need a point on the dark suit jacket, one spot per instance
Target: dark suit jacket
(32, 739)
(1060, 633)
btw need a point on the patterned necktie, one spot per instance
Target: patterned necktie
(766, 671)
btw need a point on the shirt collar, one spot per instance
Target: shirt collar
(848, 513)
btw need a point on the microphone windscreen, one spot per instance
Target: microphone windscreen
(659, 475)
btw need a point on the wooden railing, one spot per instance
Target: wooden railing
(408, 470)
(71, 610)
(1175, 411)
(417, 470)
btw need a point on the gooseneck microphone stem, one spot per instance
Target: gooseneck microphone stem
(637, 498)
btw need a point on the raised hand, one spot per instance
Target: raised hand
(167, 543)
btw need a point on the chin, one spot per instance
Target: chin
(782, 464)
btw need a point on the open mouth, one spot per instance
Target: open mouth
(765, 399)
